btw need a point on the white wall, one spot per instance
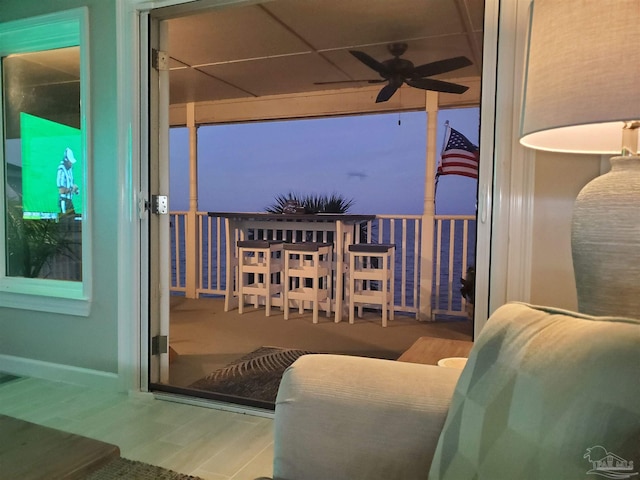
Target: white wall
(81, 349)
(558, 179)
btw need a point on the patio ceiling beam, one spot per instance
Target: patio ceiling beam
(349, 101)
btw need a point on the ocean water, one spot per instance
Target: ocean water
(405, 259)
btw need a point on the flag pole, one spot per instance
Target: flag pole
(444, 142)
(446, 136)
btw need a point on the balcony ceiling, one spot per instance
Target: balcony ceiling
(283, 47)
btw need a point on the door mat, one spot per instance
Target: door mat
(256, 376)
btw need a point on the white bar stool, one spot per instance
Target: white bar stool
(370, 262)
(307, 260)
(263, 259)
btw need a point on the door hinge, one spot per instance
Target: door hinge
(159, 205)
(159, 60)
(159, 344)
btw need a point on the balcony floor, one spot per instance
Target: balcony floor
(206, 338)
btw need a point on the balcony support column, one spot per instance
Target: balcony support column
(191, 226)
(428, 212)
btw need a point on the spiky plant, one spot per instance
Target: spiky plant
(281, 201)
(312, 203)
(33, 244)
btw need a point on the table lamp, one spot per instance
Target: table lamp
(582, 95)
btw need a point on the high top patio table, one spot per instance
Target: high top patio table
(291, 228)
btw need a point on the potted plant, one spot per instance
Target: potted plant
(468, 289)
(33, 245)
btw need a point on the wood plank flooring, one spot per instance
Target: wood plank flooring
(29, 451)
(212, 444)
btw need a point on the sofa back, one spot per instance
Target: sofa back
(546, 393)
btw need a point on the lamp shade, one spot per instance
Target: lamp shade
(583, 75)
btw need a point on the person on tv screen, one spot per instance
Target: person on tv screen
(66, 188)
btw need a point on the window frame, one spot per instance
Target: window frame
(67, 28)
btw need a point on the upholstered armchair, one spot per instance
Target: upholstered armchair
(545, 393)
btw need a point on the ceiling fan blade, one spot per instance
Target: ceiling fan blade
(370, 62)
(441, 66)
(437, 85)
(386, 93)
(380, 80)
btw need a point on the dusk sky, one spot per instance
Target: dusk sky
(370, 159)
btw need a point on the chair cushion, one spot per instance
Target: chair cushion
(306, 246)
(546, 393)
(258, 243)
(371, 247)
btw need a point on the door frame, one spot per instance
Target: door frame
(155, 181)
(505, 193)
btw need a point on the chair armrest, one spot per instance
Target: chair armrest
(341, 417)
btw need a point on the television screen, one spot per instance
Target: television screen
(44, 146)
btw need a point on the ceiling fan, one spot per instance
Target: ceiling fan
(397, 71)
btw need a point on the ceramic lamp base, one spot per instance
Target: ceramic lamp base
(605, 241)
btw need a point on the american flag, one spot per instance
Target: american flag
(459, 156)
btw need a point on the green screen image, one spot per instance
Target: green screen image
(43, 147)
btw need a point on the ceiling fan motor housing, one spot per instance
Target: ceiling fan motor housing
(397, 49)
(398, 70)
(399, 66)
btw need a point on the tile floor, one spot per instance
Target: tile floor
(209, 443)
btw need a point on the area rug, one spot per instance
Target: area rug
(256, 376)
(121, 468)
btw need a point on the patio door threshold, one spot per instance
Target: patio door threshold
(216, 401)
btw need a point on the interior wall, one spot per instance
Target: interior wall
(558, 180)
(58, 345)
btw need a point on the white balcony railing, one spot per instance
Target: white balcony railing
(453, 254)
